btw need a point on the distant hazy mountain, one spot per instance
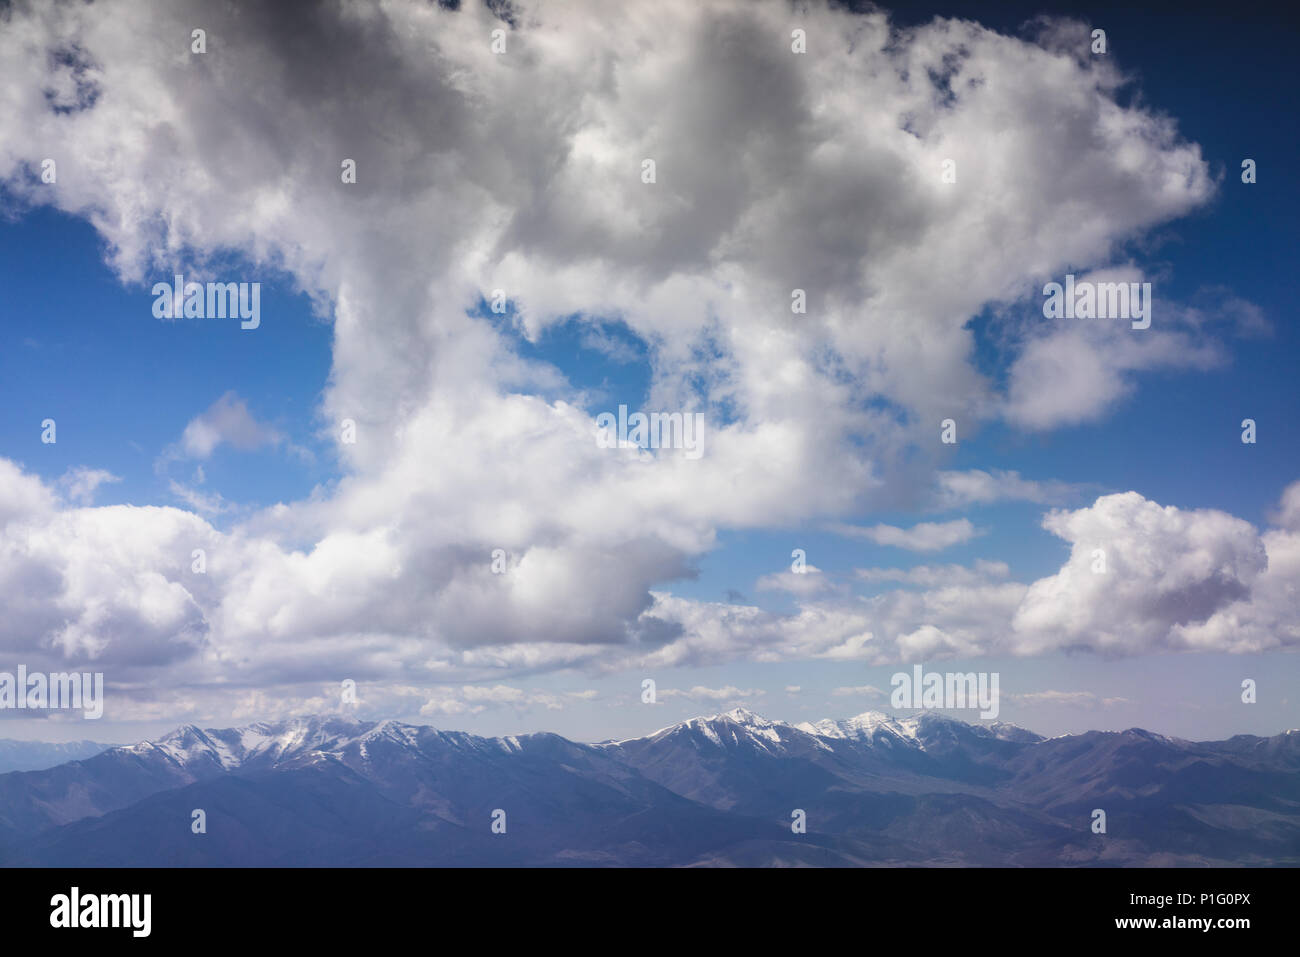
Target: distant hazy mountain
(719, 790)
(37, 755)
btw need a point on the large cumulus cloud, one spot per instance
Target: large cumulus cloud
(522, 172)
(1140, 578)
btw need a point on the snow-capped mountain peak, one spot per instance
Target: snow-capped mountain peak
(860, 727)
(192, 747)
(874, 728)
(744, 716)
(346, 739)
(733, 728)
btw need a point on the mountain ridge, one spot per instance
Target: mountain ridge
(711, 790)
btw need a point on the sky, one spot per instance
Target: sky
(398, 477)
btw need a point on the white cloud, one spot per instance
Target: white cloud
(226, 422)
(702, 693)
(958, 490)
(870, 691)
(1287, 513)
(1071, 698)
(80, 484)
(115, 586)
(1075, 370)
(925, 537)
(831, 184)
(108, 584)
(931, 575)
(1167, 571)
(206, 503)
(23, 497)
(1176, 580)
(472, 699)
(810, 581)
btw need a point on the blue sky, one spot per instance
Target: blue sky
(424, 364)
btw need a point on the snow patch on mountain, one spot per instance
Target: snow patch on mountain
(271, 744)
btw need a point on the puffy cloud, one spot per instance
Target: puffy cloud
(226, 422)
(1140, 576)
(774, 172)
(810, 581)
(1174, 580)
(115, 587)
(108, 585)
(23, 497)
(1287, 513)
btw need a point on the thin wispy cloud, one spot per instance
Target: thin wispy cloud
(923, 537)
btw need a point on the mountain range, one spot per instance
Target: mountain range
(722, 790)
(37, 755)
